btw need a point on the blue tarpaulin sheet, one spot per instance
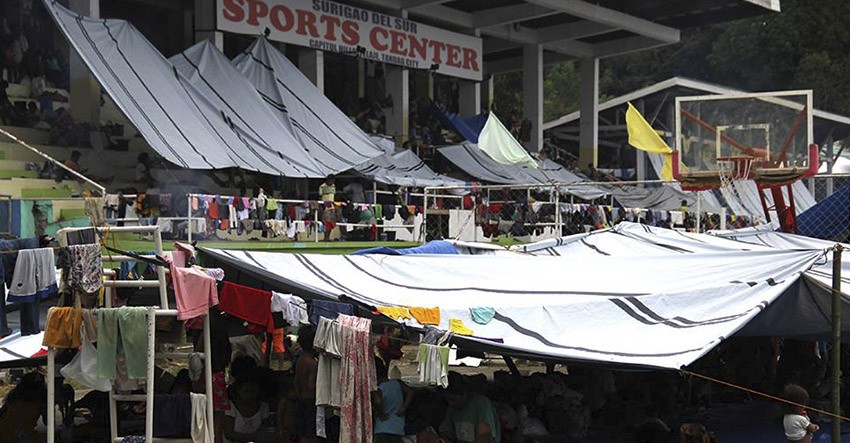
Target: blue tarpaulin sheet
(432, 247)
(829, 219)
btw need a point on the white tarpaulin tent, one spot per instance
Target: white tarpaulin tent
(223, 91)
(172, 116)
(404, 168)
(200, 111)
(334, 141)
(656, 311)
(16, 348)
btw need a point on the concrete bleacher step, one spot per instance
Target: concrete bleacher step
(29, 135)
(17, 173)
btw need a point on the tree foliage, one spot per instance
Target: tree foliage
(806, 46)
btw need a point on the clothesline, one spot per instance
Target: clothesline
(55, 248)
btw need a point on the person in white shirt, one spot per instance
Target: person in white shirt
(798, 427)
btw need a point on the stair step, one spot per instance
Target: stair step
(17, 173)
(46, 193)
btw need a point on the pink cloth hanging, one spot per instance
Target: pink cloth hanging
(356, 380)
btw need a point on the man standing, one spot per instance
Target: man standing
(306, 372)
(327, 190)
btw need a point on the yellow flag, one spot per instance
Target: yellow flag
(643, 137)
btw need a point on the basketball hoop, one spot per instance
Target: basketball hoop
(734, 168)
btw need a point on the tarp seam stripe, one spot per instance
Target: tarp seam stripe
(537, 336)
(328, 279)
(218, 134)
(126, 91)
(239, 116)
(331, 130)
(13, 354)
(296, 125)
(154, 98)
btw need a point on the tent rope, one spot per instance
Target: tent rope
(762, 394)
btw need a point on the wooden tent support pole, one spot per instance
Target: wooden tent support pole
(836, 342)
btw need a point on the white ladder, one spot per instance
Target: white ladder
(152, 313)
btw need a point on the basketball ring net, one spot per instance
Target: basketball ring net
(734, 168)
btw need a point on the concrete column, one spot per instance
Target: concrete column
(85, 90)
(469, 101)
(589, 123)
(640, 160)
(361, 77)
(487, 93)
(205, 15)
(398, 117)
(532, 93)
(312, 64)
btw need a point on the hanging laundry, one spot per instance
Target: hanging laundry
(426, 316)
(194, 290)
(482, 316)
(200, 428)
(395, 312)
(456, 325)
(433, 365)
(62, 328)
(86, 268)
(328, 309)
(172, 415)
(8, 261)
(328, 341)
(249, 304)
(34, 277)
(122, 332)
(357, 380)
(293, 308)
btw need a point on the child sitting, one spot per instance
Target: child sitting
(798, 428)
(243, 422)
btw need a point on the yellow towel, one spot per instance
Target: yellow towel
(62, 328)
(456, 325)
(426, 316)
(396, 312)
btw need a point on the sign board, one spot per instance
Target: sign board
(330, 26)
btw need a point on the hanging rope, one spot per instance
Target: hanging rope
(762, 394)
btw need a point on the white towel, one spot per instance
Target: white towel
(200, 427)
(35, 274)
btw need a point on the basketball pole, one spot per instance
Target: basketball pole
(836, 342)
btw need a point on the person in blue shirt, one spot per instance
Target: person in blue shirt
(391, 401)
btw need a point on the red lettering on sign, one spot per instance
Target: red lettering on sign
(438, 48)
(350, 33)
(256, 9)
(331, 23)
(418, 48)
(397, 39)
(470, 59)
(281, 18)
(233, 10)
(373, 38)
(453, 57)
(307, 23)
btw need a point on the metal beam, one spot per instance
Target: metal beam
(509, 14)
(413, 4)
(573, 31)
(614, 18)
(514, 64)
(625, 46)
(493, 45)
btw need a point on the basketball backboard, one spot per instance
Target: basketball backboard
(776, 128)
